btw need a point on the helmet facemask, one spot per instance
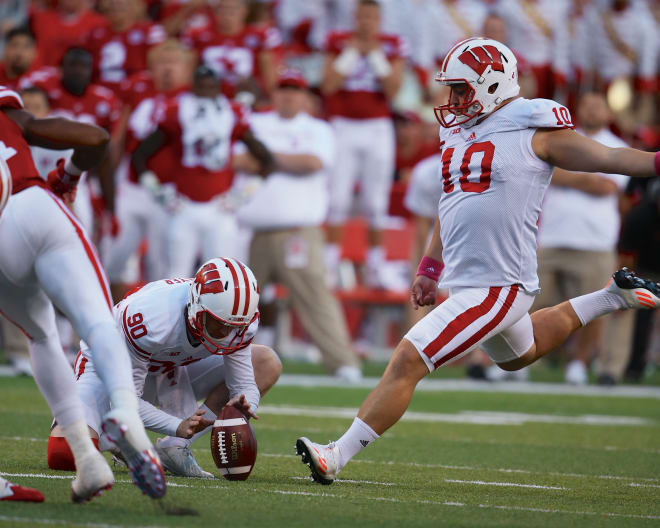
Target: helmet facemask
(198, 327)
(465, 110)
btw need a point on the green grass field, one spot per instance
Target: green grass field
(467, 459)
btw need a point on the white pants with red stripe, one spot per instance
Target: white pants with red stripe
(175, 393)
(496, 318)
(47, 259)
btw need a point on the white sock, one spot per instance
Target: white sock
(592, 305)
(375, 257)
(332, 254)
(208, 415)
(358, 436)
(77, 436)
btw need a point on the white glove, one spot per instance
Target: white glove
(347, 61)
(149, 181)
(379, 63)
(164, 194)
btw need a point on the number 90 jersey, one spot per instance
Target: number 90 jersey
(493, 187)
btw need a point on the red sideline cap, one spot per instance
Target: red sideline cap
(292, 79)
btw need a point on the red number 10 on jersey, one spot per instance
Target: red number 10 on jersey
(488, 150)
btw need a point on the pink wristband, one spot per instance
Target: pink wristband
(656, 159)
(431, 268)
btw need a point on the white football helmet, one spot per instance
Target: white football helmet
(490, 71)
(5, 184)
(226, 290)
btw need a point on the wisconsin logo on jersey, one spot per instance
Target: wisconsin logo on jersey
(481, 57)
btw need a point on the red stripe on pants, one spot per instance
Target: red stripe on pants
(91, 253)
(461, 322)
(508, 303)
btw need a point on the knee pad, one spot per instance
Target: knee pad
(60, 456)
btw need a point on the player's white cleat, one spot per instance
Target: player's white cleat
(13, 492)
(636, 291)
(180, 461)
(136, 449)
(321, 459)
(93, 475)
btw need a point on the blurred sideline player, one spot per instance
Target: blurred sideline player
(236, 52)
(362, 73)
(189, 339)
(120, 46)
(142, 204)
(52, 261)
(539, 29)
(65, 25)
(199, 129)
(19, 57)
(286, 214)
(72, 95)
(497, 161)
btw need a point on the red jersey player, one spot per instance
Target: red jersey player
(235, 51)
(200, 129)
(142, 211)
(120, 47)
(71, 95)
(52, 262)
(499, 152)
(19, 57)
(62, 27)
(362, 73)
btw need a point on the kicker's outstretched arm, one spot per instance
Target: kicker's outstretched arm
(569, 150)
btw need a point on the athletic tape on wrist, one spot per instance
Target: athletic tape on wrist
(431, 268)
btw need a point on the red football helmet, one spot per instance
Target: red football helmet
(5, 184)
(225, 290)
(486, 73)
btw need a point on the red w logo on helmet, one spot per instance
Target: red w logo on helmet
(208, 277)
(480, 58)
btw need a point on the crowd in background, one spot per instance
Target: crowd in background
(258, 129)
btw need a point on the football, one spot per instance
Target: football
(233, 444)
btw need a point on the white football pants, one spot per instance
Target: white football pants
(140, 216)
(201, 230)
(365, 153)
(46, 258)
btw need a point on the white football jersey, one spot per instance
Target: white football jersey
(153, 322)
(493, 187)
